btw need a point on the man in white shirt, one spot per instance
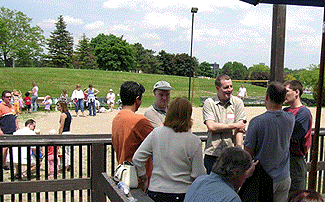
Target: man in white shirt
(29, 128)
(110, 100)
(242, 92)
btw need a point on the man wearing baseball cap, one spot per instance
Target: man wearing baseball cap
(156, 113)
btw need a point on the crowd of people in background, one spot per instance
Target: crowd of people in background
(168, 157)
(81, 100)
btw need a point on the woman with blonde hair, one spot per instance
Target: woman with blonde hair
(176, 152)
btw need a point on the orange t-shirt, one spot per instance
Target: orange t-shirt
(128, 131)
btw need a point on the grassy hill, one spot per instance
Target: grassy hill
(51, 81)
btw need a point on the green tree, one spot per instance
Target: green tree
(146, 61)
(167, 62)
(259, 72)
(60, 45)
(113, 53)
(84, 57)
(235, 70)
(204, 69)
(18, 39)
(184, 63)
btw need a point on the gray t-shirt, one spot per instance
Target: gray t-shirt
(155, 115)
(230, 112)
(269, 135)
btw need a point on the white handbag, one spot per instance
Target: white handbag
(126, 173)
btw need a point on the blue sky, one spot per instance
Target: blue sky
(224, 31)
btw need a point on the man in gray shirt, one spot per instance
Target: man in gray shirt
(225, 119)
(156, 113)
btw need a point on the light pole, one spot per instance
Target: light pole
(193, 10)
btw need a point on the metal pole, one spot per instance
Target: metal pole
(191, 68)
(320, 88)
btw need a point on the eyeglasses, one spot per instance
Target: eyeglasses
(7, 96)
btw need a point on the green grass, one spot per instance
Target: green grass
(51, 81)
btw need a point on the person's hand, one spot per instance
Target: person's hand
(144, 184)
(241, 126)
(1, 133)
(250, 171)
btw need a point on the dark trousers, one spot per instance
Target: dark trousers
(164, 197)
(209, 161)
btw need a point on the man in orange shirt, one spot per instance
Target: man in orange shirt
(128, 128)
(8, 120)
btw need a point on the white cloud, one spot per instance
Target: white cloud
(150, 36)
(158, 44)
(47, 24)
(72, 21)
(154, 5)
(121, 27)
(95, 25)
(115, 4)
(257, 18)
(306, 42)
(165, 20)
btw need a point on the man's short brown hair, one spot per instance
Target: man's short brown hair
(220, 78)
(295, 85)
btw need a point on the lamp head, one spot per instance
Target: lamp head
(194, 10)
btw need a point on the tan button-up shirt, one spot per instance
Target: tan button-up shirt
(230, 112)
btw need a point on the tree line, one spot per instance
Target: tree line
(22, 45)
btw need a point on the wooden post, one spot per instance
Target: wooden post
(98, 163)
(277, 44)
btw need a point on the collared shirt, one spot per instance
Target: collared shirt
(211, 188)
(7, 118)
(229, 112)
(155, 115)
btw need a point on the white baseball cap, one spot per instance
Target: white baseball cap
(162, 85)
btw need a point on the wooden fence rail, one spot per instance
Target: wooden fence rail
(91, 156)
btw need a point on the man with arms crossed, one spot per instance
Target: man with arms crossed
(268, 140)
(300, 140)
(225, 119)
(128, 128)
(8, 120)
(156, 113)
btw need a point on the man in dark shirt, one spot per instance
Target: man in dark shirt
(8, 120)
(300, 140)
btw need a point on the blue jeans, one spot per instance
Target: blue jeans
(209, 162)
(34, 103)
(79, 104)
(92, 108)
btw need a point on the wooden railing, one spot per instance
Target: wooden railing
(91, 155)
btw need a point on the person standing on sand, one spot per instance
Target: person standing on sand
(34, 93)
(65, 122)
(77, 98)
